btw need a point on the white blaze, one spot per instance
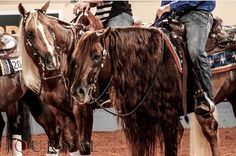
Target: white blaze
(48, 46)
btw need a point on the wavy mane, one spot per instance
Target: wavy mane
(30, 72)
(137, 56)
(140, 51)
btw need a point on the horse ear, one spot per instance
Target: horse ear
(105, 33)
(21, 9)
(45, 6)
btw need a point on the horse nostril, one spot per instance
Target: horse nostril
(81, 92)
(48, 58)
(47, 61)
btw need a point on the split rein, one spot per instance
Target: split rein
(125, 114)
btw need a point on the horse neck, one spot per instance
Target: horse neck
(136, 67)
(145, 56)
(65, 37)
(151, 42)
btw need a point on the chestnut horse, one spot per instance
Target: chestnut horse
(146, 86)
(62, 36)
(18, 125)
(46, 44)
(11, 93)
(13, 99)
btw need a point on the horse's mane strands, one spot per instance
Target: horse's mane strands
(142, 128)
(30, 73)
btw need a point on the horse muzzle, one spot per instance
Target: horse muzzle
(52, 62)
(83, 94)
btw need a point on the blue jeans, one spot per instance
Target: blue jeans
(198, 25)
(120, 20)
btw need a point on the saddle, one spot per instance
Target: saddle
(221, 38)
(8, 46)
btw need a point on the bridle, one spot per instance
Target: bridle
(40, 59)
(101, 105)
(95, 76)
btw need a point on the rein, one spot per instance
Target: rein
(135, 108)
(118, 114)
(76, 17)
(103, 92)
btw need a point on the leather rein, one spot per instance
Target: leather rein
(101, 105)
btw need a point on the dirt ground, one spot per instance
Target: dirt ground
(114, 144)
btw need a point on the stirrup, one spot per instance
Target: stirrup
(211, 103)
(204, 105)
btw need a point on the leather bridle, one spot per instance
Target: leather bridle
(40, 59)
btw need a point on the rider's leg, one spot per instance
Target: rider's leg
(198, 25)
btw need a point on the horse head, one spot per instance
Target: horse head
(89, 58)
(40, 38)
(44, 44)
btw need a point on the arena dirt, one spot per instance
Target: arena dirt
(114, 144)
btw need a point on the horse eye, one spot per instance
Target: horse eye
(96, 57)
(30, 34)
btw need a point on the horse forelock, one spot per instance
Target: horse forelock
(30, 72)
(31, 18)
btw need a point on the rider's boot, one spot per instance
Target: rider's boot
(204, 105)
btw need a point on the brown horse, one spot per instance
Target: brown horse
(18, 125)
(12, 91)
(146, 79)
(46, 44)
(18, 122)
(13, 99)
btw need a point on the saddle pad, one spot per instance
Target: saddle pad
(223, 61)
(10, 66)
(9, 42)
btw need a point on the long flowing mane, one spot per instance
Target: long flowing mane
(137, 57)
(30, 72)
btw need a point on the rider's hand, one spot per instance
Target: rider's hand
(162, 10)
(81, 6)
